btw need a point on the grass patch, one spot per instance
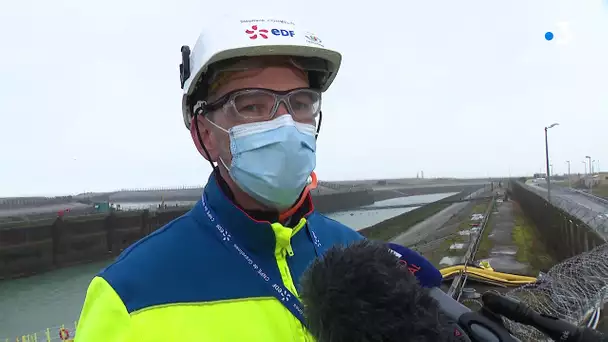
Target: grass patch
(480, 208)
(601, 190)
(486, 244)
(387, 230)
(530, 248)
(444, 250)
(465, 224)
(445, 246)
(523, 238)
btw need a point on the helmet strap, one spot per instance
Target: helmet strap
(200, 140)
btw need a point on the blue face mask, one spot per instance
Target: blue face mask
(272, 160)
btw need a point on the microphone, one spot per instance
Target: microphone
(477, 326)
(556, 328)
(362, 293)
(428, 275)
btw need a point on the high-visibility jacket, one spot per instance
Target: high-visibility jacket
(181, 283)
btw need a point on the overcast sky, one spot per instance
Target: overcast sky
(90, 96)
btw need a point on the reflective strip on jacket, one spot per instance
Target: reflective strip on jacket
(181, 283)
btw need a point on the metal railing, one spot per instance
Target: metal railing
(460, 280)
(598, 199)
(58, 333)
(595, 218)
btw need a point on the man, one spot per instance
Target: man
(228, 270)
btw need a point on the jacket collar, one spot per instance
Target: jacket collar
(255, 234)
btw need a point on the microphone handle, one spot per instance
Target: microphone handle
(591, 335)
(481, 328)
(563, 331)
(477, 326)
(554, 327)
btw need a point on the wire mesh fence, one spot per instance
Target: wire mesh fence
(577, 288)
(570, 223)
(591, 210)
(572, 290)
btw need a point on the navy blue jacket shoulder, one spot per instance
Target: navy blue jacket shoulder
(186, 260)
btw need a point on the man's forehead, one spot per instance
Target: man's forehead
(247, 63)
(259, 61)
(247, 67)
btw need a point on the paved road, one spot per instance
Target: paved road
(502, 255)
(573, 197)
(587, 209)
(582, 200)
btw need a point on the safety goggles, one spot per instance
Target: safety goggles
(258, 104)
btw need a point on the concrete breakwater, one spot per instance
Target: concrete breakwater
(387, 230)
(32, 247)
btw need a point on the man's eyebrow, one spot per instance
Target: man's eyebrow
(219, 80)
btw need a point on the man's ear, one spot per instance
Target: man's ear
(206, 136)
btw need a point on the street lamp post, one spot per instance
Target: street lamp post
(547, 161)
(590, 175)
(569, 180)
(585, 173)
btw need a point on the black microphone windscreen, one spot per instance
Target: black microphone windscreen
(362, 293)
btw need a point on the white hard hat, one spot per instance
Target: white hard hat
(233, 38)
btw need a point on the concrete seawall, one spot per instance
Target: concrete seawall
(25, 202)
(563, 233)
(32, 247)
(388, 229)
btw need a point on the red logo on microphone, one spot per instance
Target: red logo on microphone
(411, 267)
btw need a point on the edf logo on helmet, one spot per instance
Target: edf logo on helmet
(256, 32)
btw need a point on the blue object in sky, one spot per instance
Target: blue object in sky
(548, 35)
